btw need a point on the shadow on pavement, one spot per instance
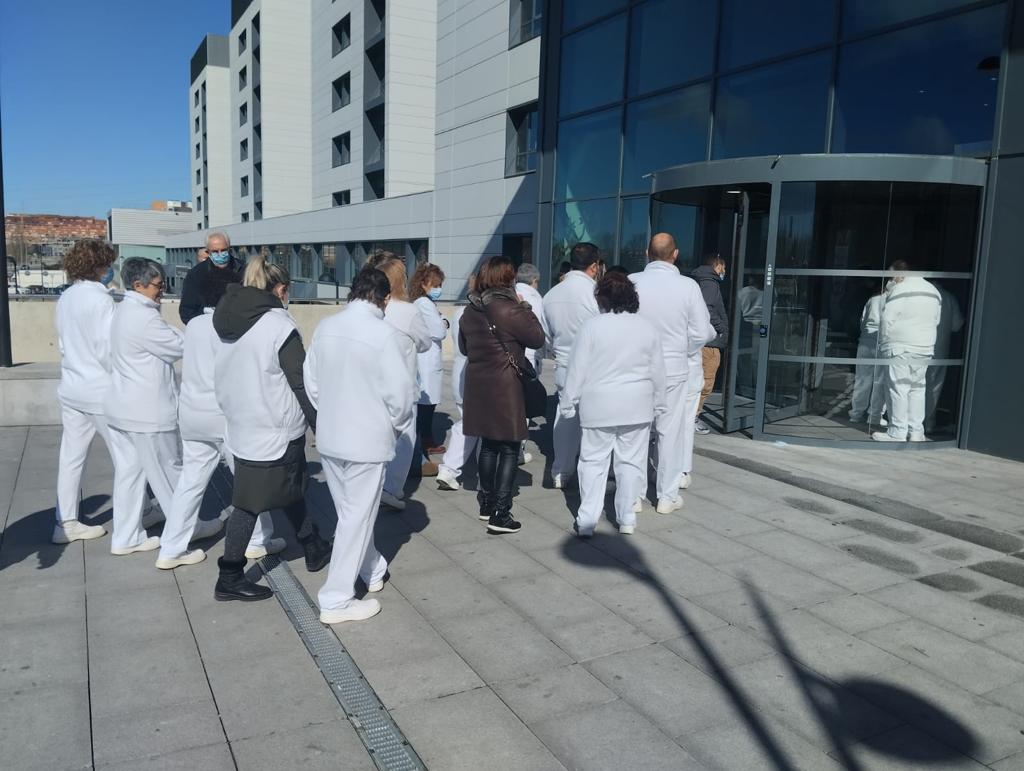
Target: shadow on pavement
(30, 536)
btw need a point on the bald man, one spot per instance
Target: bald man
(216, 272)
(673, 303)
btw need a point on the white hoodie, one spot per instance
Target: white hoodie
(143, 395)
(566, 307)
(910, 318)
(357, 377)
(84, 316)
(199, 416)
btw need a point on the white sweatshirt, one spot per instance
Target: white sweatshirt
(357, 378)
(143, 395)
(430, 362)
(910, 318)
(459, 360)
(199, 416)
(870, 319)
(534, 299)
(415, 338)
(616, 372)
(84, 316)
(675, 307)
(566, 307)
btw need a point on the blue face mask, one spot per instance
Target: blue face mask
(435, 293)
(220, 258)
(108, 276)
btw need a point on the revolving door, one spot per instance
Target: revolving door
(810, 244)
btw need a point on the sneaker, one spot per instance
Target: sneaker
(153, 515)
(583, 532)
(885, 436)
(638, 507)
(206, 528)
(666, 506)
(356, 610)
(193, 557)
(429, 469)
(684, 481)
(376, 586)
(558, 481)
(917, 437)
(73, 530)
(701, 427)
(446, 480)
(627, 529)
(391, 501)
(150, 544)
(261, 550)
(503, 523)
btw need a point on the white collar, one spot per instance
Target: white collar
(141, 299)
(580, 274)
(661, 265)
(363, 306)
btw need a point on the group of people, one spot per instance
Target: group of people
(628, 357)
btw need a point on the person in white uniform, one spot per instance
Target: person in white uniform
(910, 320)
(460, 447)
(142, 404)
(674, 305)
(566, 307)
(616, 381)
(869, 387)
(528, 287)
(425, 291)
(84, 314)
(358, 378)
(950, 322)
(414, 339)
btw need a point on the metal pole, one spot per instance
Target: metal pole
(6, 359)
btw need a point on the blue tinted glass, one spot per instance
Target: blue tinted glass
(577, 12)
(779, 109)
(661, 30)
(665, 131)
(588, 156)
(592, 66)
(753, 30)
(577, 221)
(921, 90)
(865, 15)
(633, 233)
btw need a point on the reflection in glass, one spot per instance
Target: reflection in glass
(864, 15)
(587, 163)
(779, 109)
(661, 30)
(577, 12)
(664, 131)
(633, 235)
(921, 89)
(933, 226)
(680, 220)
(577, 221)
(867, 403)
(753, 30)
(328, 258)
(592, 73)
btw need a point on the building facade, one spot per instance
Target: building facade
(209, 98)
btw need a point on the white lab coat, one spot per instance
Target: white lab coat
(199, 416)
(460, 447)
(430, 363)
(536, 302)
(85, 313)
(357, 378)
(566, 307)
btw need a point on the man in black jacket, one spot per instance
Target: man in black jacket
(709, 277)
(209, 276)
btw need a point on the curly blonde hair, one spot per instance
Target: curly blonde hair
(426, 273)
(87, 258)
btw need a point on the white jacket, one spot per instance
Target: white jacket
(430, 364)
(199, 416)
(458, 360)
(616, 372)
(675, 307)
(143, 395)
(534, 299)
(870, 320)
(566, 307)
(357, 377)
(910, 318)
(84, 315)
(415, 338)
(261, 412)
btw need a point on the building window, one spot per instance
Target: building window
(243, 77)
(341, 35)
(525, 19)
(592, 74)
(243, 114)
(517, 247)
(576, 13)
(657, 37)
(199, 176)
(587, 162)
(199, 226)
(374, 187)
(341, 149)
(197, 124)
(199, 203)
(198, 150)
(342, 91)
(343, 198)
(754, 31)
(521, 140)
(245, 216)
(245, 186)
(664, 131)
(243, 39)
(243, 149)
(195, 98)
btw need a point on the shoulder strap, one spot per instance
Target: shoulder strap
(494, 331)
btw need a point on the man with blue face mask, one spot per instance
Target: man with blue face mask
(221, 268)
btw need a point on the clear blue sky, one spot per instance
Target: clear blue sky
(94, 100)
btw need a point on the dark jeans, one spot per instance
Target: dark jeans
(497, 467)
(425, 426)
(241, 524)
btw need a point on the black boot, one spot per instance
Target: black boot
(501, 521)
(317, 551)
(486, 502)
(233, 585)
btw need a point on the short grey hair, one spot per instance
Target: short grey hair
(527, 273)
(212, 236)
(141, 270)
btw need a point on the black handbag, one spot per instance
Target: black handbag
(535, 396)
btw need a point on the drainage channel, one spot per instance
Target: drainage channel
(384, 741)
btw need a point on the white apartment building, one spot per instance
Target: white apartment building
(422, 118)
(210, 133)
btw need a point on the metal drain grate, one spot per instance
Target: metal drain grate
(385, 742)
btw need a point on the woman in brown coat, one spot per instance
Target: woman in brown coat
(493, 407)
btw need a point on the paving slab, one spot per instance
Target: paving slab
(215, 757)
(320, 747)
(144, 733)
(536, 698)
(856, 613)
(731, 746)
(46, 728)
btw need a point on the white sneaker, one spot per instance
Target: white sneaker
(684, 481)
(261, 550)
(391, 501)
(150, 544)
(525, 457)
(193, 557)
(73, 530)
(584, 532)
(376, 586)
(627, 529)
(558, 482)
(638, 507)
(885, 436)
(446, 480)
(206, 528)
(357, 610)
(666, 506)
(917, 437)
(153, 515)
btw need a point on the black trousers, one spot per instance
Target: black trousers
(425, 426)
(497, 467)
(241, 523)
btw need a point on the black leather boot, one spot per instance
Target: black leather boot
(486, 503)
(317, 551)
(233, 585)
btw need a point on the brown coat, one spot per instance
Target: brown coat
(493, 397)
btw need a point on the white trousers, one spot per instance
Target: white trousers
(565, 436)
(627, 447)
(694, 385)
(355, 489)
(140, 458)
(868, 386)
(460, 449)
(398, 467)
(671, 427)
(199, 462)
(79, 430)
(907, 396)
